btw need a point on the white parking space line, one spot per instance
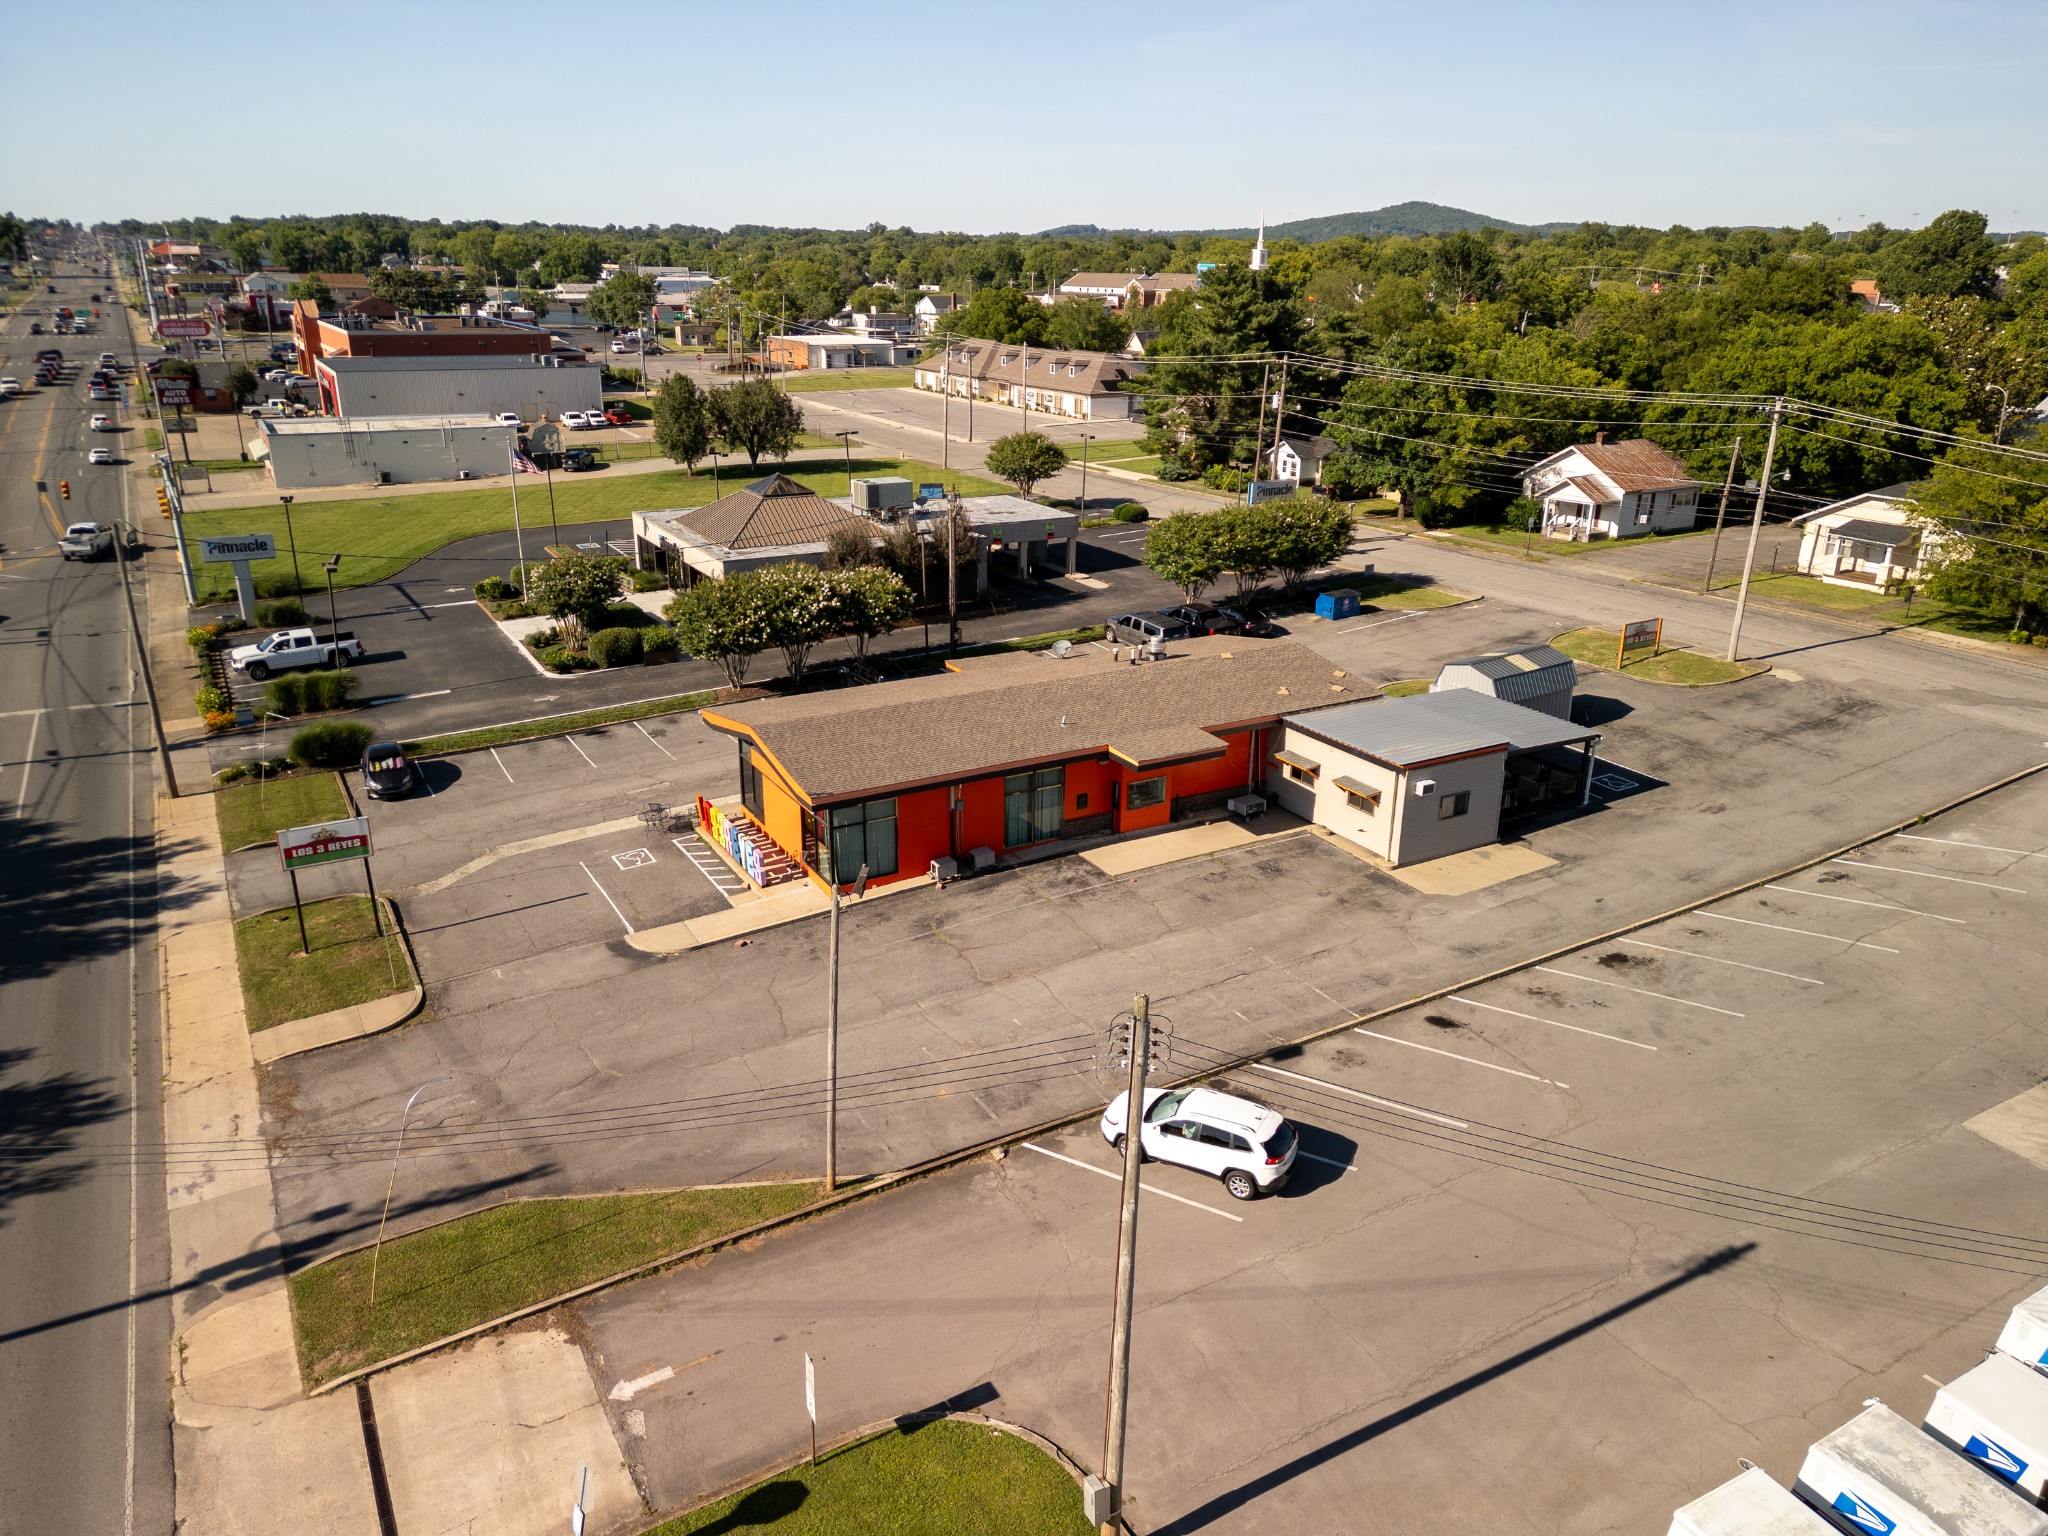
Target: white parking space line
(579, 751)
(1353, 1093)
(1577, 1029)
(2011, 890)
(1956, 842)
(607, 895)
(1468, 1060)
(1149, 1189)
(1602, 981)
(28, 759)
(1413, 613)
(664, 751)
(1814, 981)
(1327, 1162)
(1885, 906)
(1804, 933)
(501, 766)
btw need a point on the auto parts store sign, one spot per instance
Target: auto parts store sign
(327, 843)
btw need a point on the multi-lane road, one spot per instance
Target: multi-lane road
(84, 1437)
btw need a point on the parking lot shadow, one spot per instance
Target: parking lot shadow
(1235, 1499)
(1596, 709)
(439, 772)
(1324, 1158)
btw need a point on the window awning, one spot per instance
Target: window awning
(1296, 760)
(1356, 787)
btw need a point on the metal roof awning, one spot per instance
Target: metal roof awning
(1355, 786)
(1864, 530)
(1296, 760)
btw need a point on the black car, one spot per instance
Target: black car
(35, 328)
(576, 460)
(388, 774)
(1222, 619)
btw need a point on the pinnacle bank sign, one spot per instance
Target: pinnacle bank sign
(231, 548)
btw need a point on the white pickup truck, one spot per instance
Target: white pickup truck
(289, 648)
(86, 541)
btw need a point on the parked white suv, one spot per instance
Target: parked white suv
(1248, 1146)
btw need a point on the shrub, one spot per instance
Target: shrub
(659, 640)
(233, 773)
(286, 694)
(200, 636)
(2041, 641)
(219, 720)
(277, 586)
(331, 744)
(1130, 512)
(615, 647)
(282, 614)
(544, 639)
(211, 700)
(1172, 468)
(648, 581)
(492, 589)
(560, 659)
(1222, 477)
(330, 690)
(515, 581)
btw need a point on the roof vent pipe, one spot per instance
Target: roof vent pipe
(1600, 439)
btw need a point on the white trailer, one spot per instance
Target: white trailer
(1877, 1475)
(1997, 1415)
(1748, 1505)
(2025, 1335)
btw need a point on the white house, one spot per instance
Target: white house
(1109, 287)
(931, 308)
(1300, 459)
(1603, 490)
(1870, 539)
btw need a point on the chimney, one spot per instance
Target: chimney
(1599, 439)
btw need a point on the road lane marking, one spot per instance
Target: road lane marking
(1150, 1189)
(1602, 981)
(1579, 1029)
(1956, 842)
(1804, 933)
(626, 1391)
(1895, 869)
(501, 766)
(607, 895)
(1468, 1060)
(1393, 1104)
(28, 760)
(664, 751)
(579, 751)
(1883, 906)
(1717, 960)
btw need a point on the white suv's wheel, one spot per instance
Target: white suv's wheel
(1241, 1185)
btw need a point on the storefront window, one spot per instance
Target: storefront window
(854, 835)
(1034, 806)
(750, 781)
(1145, 792)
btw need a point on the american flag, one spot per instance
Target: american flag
(525, 465)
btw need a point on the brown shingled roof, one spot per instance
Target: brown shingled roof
(768, 514)
(1002, 712)
(1636, 465)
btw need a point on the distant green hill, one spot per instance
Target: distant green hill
(1411, 218)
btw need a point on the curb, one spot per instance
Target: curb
(412, 1007)
(1007, 1139)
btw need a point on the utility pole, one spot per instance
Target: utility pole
(1721, 515)
(946, 409)
(1259, 442)
(1126, 1269)
(952, 577)
(1756, 523)
(156, 719)
(1082, 505)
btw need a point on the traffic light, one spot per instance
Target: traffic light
(163, 501)
(64, 487)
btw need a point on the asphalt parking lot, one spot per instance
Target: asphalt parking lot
(1570, 1242)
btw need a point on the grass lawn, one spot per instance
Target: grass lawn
(253, 812)
(554, 725)
(349, 964)
(1875, 607)
(945, 1478)
(809, 382)
(467, 1271)
(1689, 669)
(1406, 686)
(381, 535)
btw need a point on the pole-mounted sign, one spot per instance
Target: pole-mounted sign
(238, 549)
(326, 843)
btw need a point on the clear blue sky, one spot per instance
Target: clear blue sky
(979, 116)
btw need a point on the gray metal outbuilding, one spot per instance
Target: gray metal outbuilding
(1537, 676)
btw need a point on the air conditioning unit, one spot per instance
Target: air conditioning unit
(1424, 788)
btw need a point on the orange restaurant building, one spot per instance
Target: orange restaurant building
(1013, 753)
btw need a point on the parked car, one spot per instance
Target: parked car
(576, 460)
(506, 419)
(1144, 628)
(574, 421)
(289, 648)
(388, 774)
(617, 414)
(1247, 1145)
(1221, 619)
(86, 541)
(100, 456)
(620, 346)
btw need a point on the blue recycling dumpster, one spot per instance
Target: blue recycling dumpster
(1337, 603)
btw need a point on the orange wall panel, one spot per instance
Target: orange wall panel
(922, 831)
(1091, 778)
(981, 822)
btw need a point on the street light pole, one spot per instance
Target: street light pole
(2004, 408)
(846, 441)
(1126, 1268)
(291, 534)
(1086, 439)
(518, 533)
(334, 655)
(377, 1249)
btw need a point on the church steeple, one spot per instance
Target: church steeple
(1259, 247)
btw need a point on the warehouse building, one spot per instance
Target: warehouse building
(1432, 774)
(532, 387)
(385, 450)
(1537, 676)
(1009, 757)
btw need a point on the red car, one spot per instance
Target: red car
(618, 416)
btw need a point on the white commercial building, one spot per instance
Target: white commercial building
(535, 388)
(383, 450)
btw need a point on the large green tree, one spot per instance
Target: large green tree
(1987, 515)
(682, 420)
(802, 610)
(428, 293)
(724, 622)
(1949, 257)
(1025, 458)
(755, 417)
(578, 587)
(623, 300)
(1202, 407)
(1184, 549)
(866, 602)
